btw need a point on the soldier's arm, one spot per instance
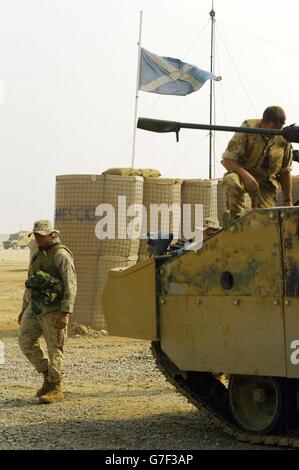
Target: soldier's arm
(25, 301)
(285, 177)
(249, 181)
(65, 264)
(233, 156)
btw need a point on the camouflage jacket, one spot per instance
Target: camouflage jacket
(264, 157)
(57, 261)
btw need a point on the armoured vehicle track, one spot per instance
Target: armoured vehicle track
(206, 392)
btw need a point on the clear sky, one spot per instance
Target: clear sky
(68, 68)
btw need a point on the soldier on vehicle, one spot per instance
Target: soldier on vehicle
(48, 300)
(258, 164)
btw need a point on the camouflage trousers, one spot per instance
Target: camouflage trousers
(236, 192)
(31, 329)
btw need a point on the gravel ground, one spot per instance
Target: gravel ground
(115, 398)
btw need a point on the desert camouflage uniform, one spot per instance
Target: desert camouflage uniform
(57, 260)
(265, 158)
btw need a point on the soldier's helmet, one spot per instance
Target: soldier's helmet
(43, 227)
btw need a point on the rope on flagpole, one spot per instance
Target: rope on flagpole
(271, 43)
(237, 72)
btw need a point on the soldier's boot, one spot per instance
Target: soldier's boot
(46, 386)
(54, 395)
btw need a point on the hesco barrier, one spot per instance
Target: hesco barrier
(160, 191)
(77, 197)
(92, 273)
(199, 191)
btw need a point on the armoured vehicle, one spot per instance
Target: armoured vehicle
(223, 320)
(17, 240)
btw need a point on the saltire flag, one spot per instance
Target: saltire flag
(168, 76)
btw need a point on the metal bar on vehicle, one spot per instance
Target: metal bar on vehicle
(290, 133)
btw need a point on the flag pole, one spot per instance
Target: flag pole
(212, 15)
(137, 88)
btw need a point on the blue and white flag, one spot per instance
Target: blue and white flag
(169, 76)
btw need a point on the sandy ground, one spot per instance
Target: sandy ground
(115, 398)
(13, 272)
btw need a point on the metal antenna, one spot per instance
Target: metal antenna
(212, 15)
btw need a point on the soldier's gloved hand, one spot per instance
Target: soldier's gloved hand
(250, 183)
(62, 320)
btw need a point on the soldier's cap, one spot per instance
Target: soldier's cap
(211, 223)
(43, 227)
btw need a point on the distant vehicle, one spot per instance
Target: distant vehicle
(17, 240)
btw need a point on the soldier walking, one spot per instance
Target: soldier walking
(48, 300)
